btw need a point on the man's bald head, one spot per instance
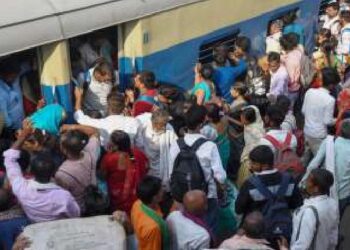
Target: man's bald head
(195, 202)
(253, 225)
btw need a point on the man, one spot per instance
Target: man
(145, 82)
(187, 228)
(225, 76)
(318, 109)
(331, 19)
(343, 48)
(150, 228)
(11, 104)
(279, 77)
(99, 86)
(341, 163)
(315, 224)
(251, 235)
(274, 117)
(248, 199)
(40, 199)
(114, 121)
(208, 156)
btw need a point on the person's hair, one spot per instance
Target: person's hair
(207, 71)
(249, 114)
(289, 41)
(148, 188)
(345, 129)
(42, 167)
(195, 116)
(213, 112)
(328, 47)
(5, 144)
(289, 18)
(116, 102)
(330, 77)
(323, 179)
(9, 66)
(148, 79)
(325, 32)
(283, 102)
(345, 14)
(262, 154)
(275, 115)
(73, 142)
(95, 202)
(24, 160)
(241, 88)
(170, 92)
(160, 115)
(333, 5)
(243, 43)
(103, 68)
(120, 141)
(5, 200)
(274, 57)
(253, 225)
(220, 59)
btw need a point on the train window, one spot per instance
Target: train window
(206, 50)
(25, 65)
(279, 16)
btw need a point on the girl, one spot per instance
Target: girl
(123, 167)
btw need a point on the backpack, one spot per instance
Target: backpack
(307, 71)
(286, 159)
(277, 216)
(187, 172)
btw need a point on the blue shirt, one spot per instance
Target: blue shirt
(295, 28)
(11, 104)
(225, 77)
(342, 164)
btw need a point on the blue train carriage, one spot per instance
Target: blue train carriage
(170, 43)
(165, 36)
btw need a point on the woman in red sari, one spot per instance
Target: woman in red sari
(123, 167)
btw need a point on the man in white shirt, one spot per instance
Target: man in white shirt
(279, 77)
(318, 109)
(315, 224)
(114, 121)
(273, 120)
(208, 156)
(343, 48)
(331, 19)
(187, 228)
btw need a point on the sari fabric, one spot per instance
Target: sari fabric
(48, 118)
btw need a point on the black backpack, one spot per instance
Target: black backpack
(187, 171)
(277, 216)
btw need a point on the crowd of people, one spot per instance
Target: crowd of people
(255, 156)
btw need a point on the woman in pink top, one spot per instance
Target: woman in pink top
(292, 60)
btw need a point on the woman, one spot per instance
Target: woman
(203, 87)
(123, 167)
(49, 118)
(253, 132)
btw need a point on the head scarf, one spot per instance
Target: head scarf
(48, 118)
